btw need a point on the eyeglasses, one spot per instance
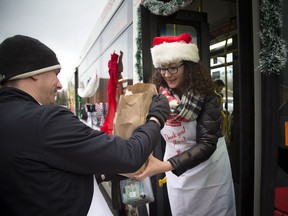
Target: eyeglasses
(170, 70)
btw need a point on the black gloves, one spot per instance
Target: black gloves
(159, 108)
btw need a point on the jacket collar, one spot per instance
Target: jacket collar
(12, 94)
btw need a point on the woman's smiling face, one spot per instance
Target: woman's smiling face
(173, 74)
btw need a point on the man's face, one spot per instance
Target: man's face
(219, 89)
(48, 86)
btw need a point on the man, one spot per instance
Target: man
(48, 157)
(219, 85)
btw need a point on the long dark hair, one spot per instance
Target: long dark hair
(197, 76)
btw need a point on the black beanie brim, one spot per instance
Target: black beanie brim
(23, 55)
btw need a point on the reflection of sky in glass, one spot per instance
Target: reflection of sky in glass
(115, 37)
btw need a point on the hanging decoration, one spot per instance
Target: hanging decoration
(138, 54)
(273, 53)
(112, 92)
(90, 89)
(165, 8)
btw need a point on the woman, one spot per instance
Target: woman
(196, 162)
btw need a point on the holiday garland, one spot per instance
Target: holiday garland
(273, 51)
(165, 9)
(138, 54)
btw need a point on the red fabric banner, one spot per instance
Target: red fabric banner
(112, 91)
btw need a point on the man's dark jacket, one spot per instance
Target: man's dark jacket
(48, 157)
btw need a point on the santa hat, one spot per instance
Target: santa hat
(168, 49)
(23, 56)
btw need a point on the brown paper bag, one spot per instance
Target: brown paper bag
(132, 110)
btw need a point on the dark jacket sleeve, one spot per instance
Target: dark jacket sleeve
(70, 145)
(208, 132)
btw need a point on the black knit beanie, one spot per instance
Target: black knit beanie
(23, 56)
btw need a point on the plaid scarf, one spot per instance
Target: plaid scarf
(186, 109)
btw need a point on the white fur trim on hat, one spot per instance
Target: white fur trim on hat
(166, 53)
(32, 73)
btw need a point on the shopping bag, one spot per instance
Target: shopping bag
(132, 110)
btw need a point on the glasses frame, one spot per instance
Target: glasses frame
(170, 70)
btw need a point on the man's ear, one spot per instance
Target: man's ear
(35, 77)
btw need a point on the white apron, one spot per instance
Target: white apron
(99, 206)
(206, 189)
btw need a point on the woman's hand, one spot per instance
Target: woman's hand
(154, 166)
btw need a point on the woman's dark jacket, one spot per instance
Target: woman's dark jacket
(48, 157)
(208, 131)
